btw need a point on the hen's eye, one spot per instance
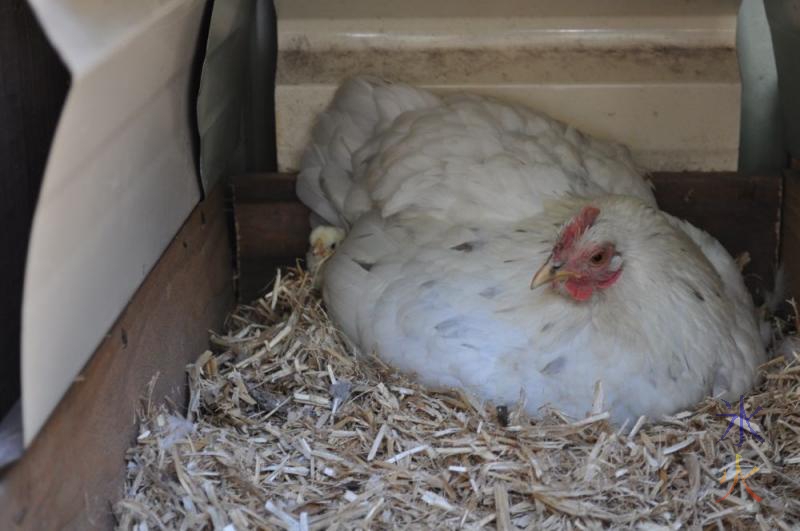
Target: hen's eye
(598, 257)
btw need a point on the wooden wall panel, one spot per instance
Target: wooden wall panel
(74, 469)
(272, 228)
(790, 238)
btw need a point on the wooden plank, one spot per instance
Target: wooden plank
(277, 229)
(73, 471)
(790, 237)
(272, 228)
(742, 211)
(261, 187)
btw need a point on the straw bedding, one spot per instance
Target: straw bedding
(288, 428)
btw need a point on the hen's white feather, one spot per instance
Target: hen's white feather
(453, 203)
(362, 108)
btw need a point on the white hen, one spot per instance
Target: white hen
(452, 204)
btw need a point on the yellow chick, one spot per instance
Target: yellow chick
(322, 244)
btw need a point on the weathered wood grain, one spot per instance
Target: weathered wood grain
(790, 236)
(272, 228)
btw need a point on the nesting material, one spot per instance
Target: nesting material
(288, 428)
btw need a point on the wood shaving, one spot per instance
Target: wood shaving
(269, 441)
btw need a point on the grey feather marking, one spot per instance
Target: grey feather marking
(366, 266)
(554, 367)
(694, 291)
(673, 372)
(447, 324)
(489, 293)
(467, 247)
(448, 327)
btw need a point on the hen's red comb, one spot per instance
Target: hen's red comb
(577, 226)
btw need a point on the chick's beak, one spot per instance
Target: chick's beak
(548, 273)
(318, 249)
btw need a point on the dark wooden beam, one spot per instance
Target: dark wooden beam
(790, 236)
(742, 211)
(74, 470)
(272, 228)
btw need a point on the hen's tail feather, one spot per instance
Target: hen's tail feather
(361, 109)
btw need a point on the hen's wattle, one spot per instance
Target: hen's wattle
(451, 205)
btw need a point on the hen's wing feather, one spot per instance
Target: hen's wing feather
(475, 154)
(361, 109)
(407, 152)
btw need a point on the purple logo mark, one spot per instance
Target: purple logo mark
(742, 419)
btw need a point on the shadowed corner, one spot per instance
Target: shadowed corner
(33, 86)
(11, 436)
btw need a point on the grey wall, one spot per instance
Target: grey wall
(235, 108)
(784, 21)
(762, 146)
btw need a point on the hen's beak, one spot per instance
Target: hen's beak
(547, 273)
